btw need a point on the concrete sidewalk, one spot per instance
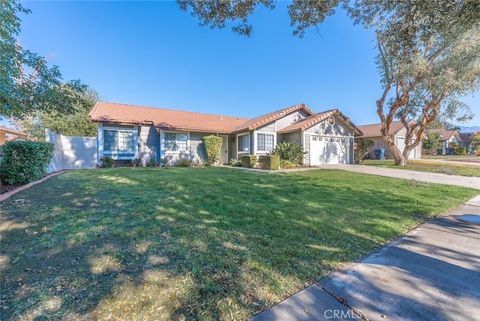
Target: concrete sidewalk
(432, 273)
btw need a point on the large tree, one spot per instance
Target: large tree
(428, 52)
(75, 123)
(429, 56)
(27, 83)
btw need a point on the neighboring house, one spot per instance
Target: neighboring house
(126, 132)
(7, 134)
(466, 141)
(448, 139)
(397, 131)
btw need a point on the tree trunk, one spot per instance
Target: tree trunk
(399, 158)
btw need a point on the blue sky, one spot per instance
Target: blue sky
(151, 53)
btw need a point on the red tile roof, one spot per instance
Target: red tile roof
(164, 118)
(317, 118)
(374, 130)
(12, 131)
(445, 134)
(256, 122)
(184, 120)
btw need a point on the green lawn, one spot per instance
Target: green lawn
(194, 243)
(435, 167)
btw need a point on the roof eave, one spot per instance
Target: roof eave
(191, 129)
(273, 118)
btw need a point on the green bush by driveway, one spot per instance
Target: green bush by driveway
(194, 243)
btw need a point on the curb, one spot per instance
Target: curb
(7, 195)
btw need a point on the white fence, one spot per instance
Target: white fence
(72, 152)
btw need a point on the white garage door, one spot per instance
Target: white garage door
(328, 150)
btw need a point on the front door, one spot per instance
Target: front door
(224, 150)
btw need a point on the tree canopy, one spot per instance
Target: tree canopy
(429, 56)
(27, 83)
(75, 123)
(428, 52)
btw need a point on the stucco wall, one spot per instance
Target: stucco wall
(379, 143)
(294, 137)
(197, 148)
(72, 152)
(267, 128)
(290, 119)
(283, 122)
(338, 129)
(148, 143)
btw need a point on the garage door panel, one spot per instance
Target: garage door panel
(328, 150)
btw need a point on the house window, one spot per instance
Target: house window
(120, 141)
(244, 143)
(264, 142)
(176, 142)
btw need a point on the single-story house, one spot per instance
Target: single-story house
(397, 131)
(126, 132)
(7, 134)
(448, 139)
(466, 141)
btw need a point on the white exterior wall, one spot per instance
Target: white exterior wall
(272, 128)
(72, 152)
(338, 130)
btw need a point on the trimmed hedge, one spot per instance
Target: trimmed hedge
(248, 161)
(25, 161)
(213, 147)
(270, 162)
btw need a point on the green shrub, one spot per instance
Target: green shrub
(287, 164)
(183, 162)
(291, 152)
(270, 162)
(25, 161)
(151, 163)
(248, 161)
(106, 162)
(163, 162)
(362, 148)
(213, 148)
(235, 163)
(458, 150)
(137, 162)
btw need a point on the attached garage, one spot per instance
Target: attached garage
(328, 150)
(327, 138)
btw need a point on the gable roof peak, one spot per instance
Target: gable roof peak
(261, 120)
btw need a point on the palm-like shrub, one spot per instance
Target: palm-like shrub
(291, 152)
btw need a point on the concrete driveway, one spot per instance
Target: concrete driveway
(432, 273)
